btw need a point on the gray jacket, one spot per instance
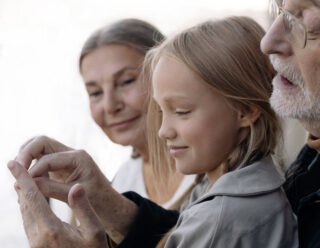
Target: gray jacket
(245, 208)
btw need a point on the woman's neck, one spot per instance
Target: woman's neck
(143, 152)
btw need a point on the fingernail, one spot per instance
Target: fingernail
(78, 190)
(14, 168)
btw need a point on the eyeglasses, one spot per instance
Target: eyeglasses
(296, 31)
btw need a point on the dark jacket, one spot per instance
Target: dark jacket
(303, 190)
(150, 225)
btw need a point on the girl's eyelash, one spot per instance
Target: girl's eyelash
(182, 112)
(128, 81)
(177, 112)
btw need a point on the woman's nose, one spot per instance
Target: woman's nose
(113, 103)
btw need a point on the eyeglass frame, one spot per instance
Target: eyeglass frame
(290, 18)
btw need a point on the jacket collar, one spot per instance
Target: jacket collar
(256, 179)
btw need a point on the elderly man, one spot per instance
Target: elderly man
(293, 43)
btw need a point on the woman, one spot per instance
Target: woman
(110, 64)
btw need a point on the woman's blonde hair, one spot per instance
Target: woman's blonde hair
(226, 55)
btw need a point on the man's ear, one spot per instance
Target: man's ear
(245, 119)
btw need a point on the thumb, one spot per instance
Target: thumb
(90, 224)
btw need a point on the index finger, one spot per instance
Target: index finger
(31, 194)
(36, 148)
(66, 161)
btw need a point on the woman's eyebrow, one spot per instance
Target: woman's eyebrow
(115, 75)
(90, 84)
(123, 70)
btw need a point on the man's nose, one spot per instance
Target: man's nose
(275, 40)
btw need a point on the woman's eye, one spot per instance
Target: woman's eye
(128, 81)
(95, 93)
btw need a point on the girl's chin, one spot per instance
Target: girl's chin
(185, 170)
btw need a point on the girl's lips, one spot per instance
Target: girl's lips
(177, 151)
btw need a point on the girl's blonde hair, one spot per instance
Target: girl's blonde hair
(226, 55)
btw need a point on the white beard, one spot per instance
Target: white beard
(297, 103)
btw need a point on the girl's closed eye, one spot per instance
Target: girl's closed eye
(182, 112)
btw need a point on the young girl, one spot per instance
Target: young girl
(211, 86)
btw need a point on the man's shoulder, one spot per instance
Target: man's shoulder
(306, 155)
(302, 178)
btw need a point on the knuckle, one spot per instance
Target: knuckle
(82, 153)
(84, 156)
(38, 242)
(23, 207)
(31, 196)
(41, 138)
(45, 160)
(51, 234)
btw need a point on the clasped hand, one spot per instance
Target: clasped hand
(74, 179)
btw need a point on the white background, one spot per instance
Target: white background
(41, 90)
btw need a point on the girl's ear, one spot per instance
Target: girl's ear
(245, 119)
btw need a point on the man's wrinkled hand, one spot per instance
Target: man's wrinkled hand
(43, 228)
(67, 167)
